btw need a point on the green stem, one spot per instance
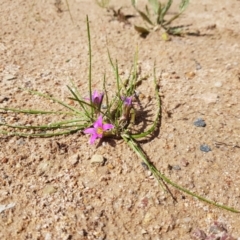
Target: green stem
(44, 135)
(156, 121)
(52, 126)
(129, 140)
(90, 66)
(55, 100)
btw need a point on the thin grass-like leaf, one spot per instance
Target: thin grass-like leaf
(145, 17)
(158, 175)
(183, 5)
(108, 114)
(135, 73)
(90, 66)
(147, 11)
(55, 100)
(159, 13)
(165, 10)
(133, 3)
(141, 30)
(34, 111)
(46, 127)
(156, 121)
(69, 11)
(43, 135)
(82, 103)
(155, 5)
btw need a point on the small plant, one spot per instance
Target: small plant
(116, 119)
(154, 17)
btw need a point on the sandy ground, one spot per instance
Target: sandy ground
(55, 191)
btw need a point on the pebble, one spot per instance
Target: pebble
(190, 75)
(43, 167)
(218, 84)
(97, 159)
(176, 167)
(200, 123)
(209, 98)
(20, 141)
(147, 218)
(74, 159)
(49, 189)
(9, 77)
(2, 120)
(144, 165)
(5, 207)
(205, 148)
(184, 162)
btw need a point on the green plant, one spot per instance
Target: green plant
(155, 17)
(116, 120)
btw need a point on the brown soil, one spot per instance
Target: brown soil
(57, 196)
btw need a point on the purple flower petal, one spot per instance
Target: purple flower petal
(127, 101)
(97, 97)
(99, 122)
(107, 126)
(93, 138)
(90, 130)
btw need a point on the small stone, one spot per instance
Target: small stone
(184, 162)
(176, 167)
(48, 236)
(20, 141)
(200, 123)
(217, 227)
(143, 232)
(5, 207)
(209, 98)
(144, 165)
(198, 234)
(43, 167)
(49, 189)
(147, 218)
(218, 84)
(97, 159)
(205, 148)
(187, 219)
(9, 77)
(2, 119)
(110, 166)
(74, 159)
(190, 75)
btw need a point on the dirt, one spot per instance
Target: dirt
(55, 190)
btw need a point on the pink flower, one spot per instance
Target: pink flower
(127, 101)
(126, 107)
(97, 98)
(98, 129)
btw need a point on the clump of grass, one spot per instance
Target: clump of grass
(115, 120)
(154, 17)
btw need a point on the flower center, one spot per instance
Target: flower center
(99, 131)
